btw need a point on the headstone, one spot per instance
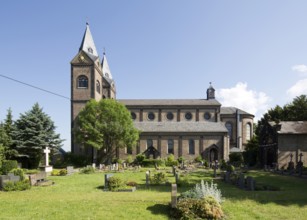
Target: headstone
(250, 183)
(116, 167)
(174, 196)
(214, 168)
(147, 178)
(125, 165)
(3, 180)
(32, 179)
(227, 177)
(70, 170)
(106, 180)
(94, 165)
(241, 181)
(46, 167)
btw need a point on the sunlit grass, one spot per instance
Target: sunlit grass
(80, 196)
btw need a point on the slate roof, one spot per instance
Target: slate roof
(169, 102)
(233, 110)
(181, 127)
(88, 42)
(293, 127)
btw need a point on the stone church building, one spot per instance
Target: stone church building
(183, 127)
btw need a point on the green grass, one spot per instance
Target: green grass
(80, 197)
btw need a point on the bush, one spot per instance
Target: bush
(129, 159)
(159, 178)
(76, 160)
(115, 183)
(139, 158)
(8, 165)
(206, 164)
(19, 172)
(17, 186)
(230, 168)
(131, 183)
(203, 190)
(170, 161)
(236, 159)
(152, 162)
(87, 170)
(61, 172)
(198, 159)
(207, 208)
(181, 159)
(223, 165)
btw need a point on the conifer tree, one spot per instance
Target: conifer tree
(34, 131)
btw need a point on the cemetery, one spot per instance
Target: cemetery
(121, 190)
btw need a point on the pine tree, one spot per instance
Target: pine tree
(8, 127)
(34, 131)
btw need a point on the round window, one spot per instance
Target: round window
(170, 116)
(151, 116)
(133, 115)
(188, 116)
(207, 116)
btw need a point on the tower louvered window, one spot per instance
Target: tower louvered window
(82, 82)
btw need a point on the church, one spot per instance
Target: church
(186, 128)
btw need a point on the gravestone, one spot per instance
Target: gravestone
(106, 180)
(116, 167)
(3, 180)
(70, 170)
(174, 196)
(147, 178)
(32, 179)
(241, 181)
(227, 177)
(47, 168)
(250, 183)
(215, 167)
(94, 165)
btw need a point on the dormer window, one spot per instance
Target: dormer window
(82, 82)
(90, 50)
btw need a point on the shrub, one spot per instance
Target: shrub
(230, 168)
(170, 161)
(139, 158)
(152, 162)
(203, 190)
(236, 158)
(17, 186)
(181, 159)
(198, 159)
(61, 172)
(206, 164)
(76, 160)
(87, 170)
(129, 159)
(19, 172)
(223, 165)
(207, 208)
(115, 183)
(159, 178)
(8, 165)
(131, 183)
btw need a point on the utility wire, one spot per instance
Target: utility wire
(35, 87)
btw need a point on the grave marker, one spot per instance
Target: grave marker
(174, 196)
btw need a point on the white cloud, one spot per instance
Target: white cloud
(256, 103)
(301, 69)
(298, 89)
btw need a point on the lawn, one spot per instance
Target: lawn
(80, 196)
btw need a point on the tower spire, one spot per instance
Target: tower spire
(87, 44)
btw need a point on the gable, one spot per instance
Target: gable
(82, 58)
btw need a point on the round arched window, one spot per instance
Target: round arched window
(82, 82)
(170, 116)
(188, 116)
(151, 116)
(207, 116)
(133, 115)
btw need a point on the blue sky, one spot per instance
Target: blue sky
(254, 52)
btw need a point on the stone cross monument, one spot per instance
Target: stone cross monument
(46, 167)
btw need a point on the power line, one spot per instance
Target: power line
(35, 87)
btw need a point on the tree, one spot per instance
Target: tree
(106, 125)
(35, 131)
(8, 127)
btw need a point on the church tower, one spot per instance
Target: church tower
(90, 79)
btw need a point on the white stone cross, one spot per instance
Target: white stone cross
(47, 151)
